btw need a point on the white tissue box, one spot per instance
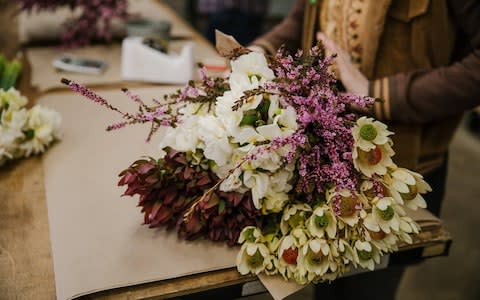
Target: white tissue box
(142, 63)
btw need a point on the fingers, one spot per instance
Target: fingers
(327, 43)
(332, 47)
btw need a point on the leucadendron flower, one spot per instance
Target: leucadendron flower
(253, 258)
(383, 241)
(408, 187)
(295, 216)
(369, 133)
(346, 205)
(373, 161)
(368, 255)
(322, 223)
(250, 234)
(385, 216)
(314, 258)
(288, 255)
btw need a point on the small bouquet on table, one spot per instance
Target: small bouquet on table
(275, 159)
(23, 131)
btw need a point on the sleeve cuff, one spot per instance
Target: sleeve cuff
(380, 90)
(265, 45)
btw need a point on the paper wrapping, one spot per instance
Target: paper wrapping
(98, 241)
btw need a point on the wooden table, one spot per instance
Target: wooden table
(26, 266)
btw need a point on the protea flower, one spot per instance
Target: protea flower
(167, 189)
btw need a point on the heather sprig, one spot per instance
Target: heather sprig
(324, 115)
(161, 113)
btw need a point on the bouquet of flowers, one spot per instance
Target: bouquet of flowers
(93, 23)
(275, 159)
(23, 132)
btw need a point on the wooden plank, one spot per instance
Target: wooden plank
(26, 269)
(212, 280)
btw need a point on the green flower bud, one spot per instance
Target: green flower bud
(249, 237)
(412, 193)
(321, 221)
(368, 132)
(386, 214)
(255, 260)
(365, 255)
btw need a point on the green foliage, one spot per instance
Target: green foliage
(9, 72)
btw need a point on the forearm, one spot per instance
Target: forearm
(287, 33)
(425, 96)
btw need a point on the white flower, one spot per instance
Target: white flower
(294, 216)
(287, 120)
(249, 71)
(368, 255)
(7, 143)
(253, 258)
(314, 257)
(374, 161)
(224, 112)
(269, 132)
(247, 134)
(346, 252)
(269, 161)
(215, 140)
(258, 183)
(274, 202)
(279, 181)
(408, 227)
(322, 222)
(250, 234)
(368, 133)
(345, 204)
(12, 100)
(383, 216)
(41, 129)
(233, 182)
(370, 191)
(407, 188)
(14, 119)
(288, 255)
(183, 138)
(383, 241)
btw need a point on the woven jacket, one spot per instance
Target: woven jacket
(422, 57)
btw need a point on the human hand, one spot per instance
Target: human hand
(353, 80)
(256, 48)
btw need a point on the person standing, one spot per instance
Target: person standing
(422, 58)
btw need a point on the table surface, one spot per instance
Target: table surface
(26, 266)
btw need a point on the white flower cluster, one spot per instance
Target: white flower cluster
(344, 229)
(24, 132)
(224, 136)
